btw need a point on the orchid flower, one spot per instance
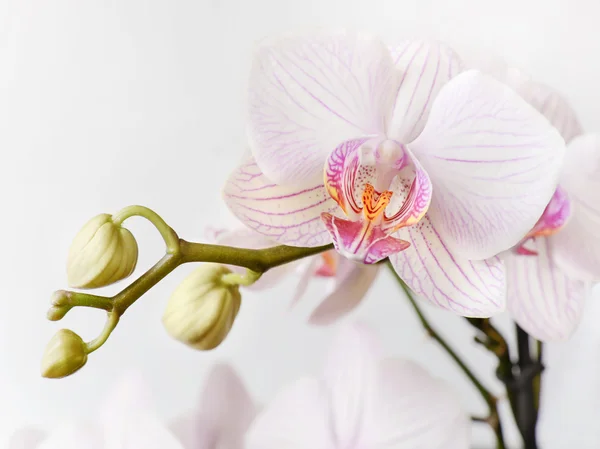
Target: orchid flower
(348, 282)
(225, 412)
(362, 401)
(551, 271)
(394, 152)
(128, 421)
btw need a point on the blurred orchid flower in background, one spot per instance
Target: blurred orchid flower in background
(347, 281)
(551, 272)
(570, 402)
(394, 152)
(363, 401)
(128, 421)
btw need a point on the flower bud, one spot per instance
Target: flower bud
(64, 355)
(101, 254)
(201, 311)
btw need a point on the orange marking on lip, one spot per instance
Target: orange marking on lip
(373, 209)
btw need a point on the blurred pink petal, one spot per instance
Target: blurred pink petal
(76, 435)
(224, 413)
(29, 438)
(363, 402)
(306, 271)
(349, 286)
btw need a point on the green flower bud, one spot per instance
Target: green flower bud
(101, 254)
(201, 311)
(65, 354)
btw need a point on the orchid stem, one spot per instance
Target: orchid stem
(179, 252)
(493, 420)
(526, 412)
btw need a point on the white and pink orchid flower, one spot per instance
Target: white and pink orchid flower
(363, 401)
(128, 420)
(551, 272)
(394, 152)
(347, 281)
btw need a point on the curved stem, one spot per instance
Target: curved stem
(256, 261)
(111, 322)
(167, 233)
(493, 419)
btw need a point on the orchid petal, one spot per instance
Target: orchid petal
(551, 104)
(413, 409)
(576, 248)
(285, 214)
(28, 438)
(249, 239)
(350, 376)
(295, 419)
(425, 68)
(224, 414)
(78, 435)
(541, 298)
(351, 284)
(494, 162)
(308, 93)
(129, 420)
(473, 288)
(306, 270)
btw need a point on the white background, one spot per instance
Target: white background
(109, 103)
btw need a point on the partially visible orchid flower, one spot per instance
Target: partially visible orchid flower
(551, 271)
(223, 416)
(348, 281)
(363, 401)
(128, 421)
(394, 152)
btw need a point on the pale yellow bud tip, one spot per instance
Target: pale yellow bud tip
(101, 254)
(201, 311)
(64, 355)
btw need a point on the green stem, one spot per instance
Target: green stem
(493, 419)
(111, 322)
(247, 279)
(537, 380)
(167, 233)
(256, 261)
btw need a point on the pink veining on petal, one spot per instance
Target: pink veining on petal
(555, 216)
(289, 215)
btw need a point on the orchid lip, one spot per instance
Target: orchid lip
(365, 178)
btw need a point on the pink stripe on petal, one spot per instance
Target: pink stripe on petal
(541, 298)
(309, 93)
(425, 67)
(287, 215)
(494, 163)
(445, 279)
